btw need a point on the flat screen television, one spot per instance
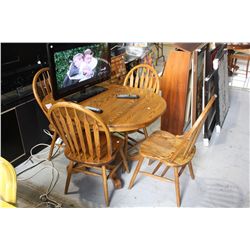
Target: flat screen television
(75, 67)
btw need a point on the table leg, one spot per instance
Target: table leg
(247, 67)
(116, 181)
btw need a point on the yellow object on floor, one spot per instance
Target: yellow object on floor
(8, 184)
(4, 204)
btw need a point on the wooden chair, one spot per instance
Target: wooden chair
(8, 184)
(241, 55)
(141, 76)
(172, 151)
(41, 86)
(88, 143)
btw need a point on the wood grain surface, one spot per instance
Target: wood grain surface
(171, 151)
(41, 86)
(124, 115)
(127, 114)
(88, 143)
(174, 86)
(143, 76)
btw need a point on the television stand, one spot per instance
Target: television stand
(83, 95)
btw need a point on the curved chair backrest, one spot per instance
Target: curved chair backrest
(190, 137)
(41, 86)
(143, 76)
(8, 184)
(82, 131)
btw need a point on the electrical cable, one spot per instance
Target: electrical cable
(47, 132)
(25, 170)
(32, 155)
(44, 197)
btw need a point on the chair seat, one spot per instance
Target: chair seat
(104, 159)
(162, 145)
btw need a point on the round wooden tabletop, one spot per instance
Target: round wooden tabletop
(124, 115)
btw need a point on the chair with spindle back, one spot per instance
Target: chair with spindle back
(142, 76)
(172, 151)
(41, 86)
(88, 143)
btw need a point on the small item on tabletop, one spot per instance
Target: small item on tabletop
(97, 110)
(127, 96)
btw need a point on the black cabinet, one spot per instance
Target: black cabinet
(22, 120)
(12, 147)
(21, 129)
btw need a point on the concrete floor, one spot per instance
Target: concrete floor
(221, 171)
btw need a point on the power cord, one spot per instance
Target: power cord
(55, 177)
(33, 156)
(44, 197)
(47, 132)
(25, 170)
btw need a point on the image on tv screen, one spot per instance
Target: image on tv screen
(80, 64)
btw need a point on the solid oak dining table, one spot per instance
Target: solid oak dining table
(123, 115)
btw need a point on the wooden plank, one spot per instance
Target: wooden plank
(174, 86)
(238, 46)
(193, 118)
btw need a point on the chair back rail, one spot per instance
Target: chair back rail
(82, 131)
(190, 137)
(143, 76)
(41, 86)
(42, 90)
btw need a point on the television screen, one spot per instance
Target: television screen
(75, 67)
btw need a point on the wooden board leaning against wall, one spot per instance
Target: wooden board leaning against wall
(182, 83)
(174, 86)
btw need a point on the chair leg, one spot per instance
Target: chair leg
(177, 187)
(105, 185)
(157, 167)
(69, 172)
(145, 132)
(126, 145)
(247, 68)
(124, 160)
(150, 162)
(190, 167)
(52, 145)
(137, 169)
